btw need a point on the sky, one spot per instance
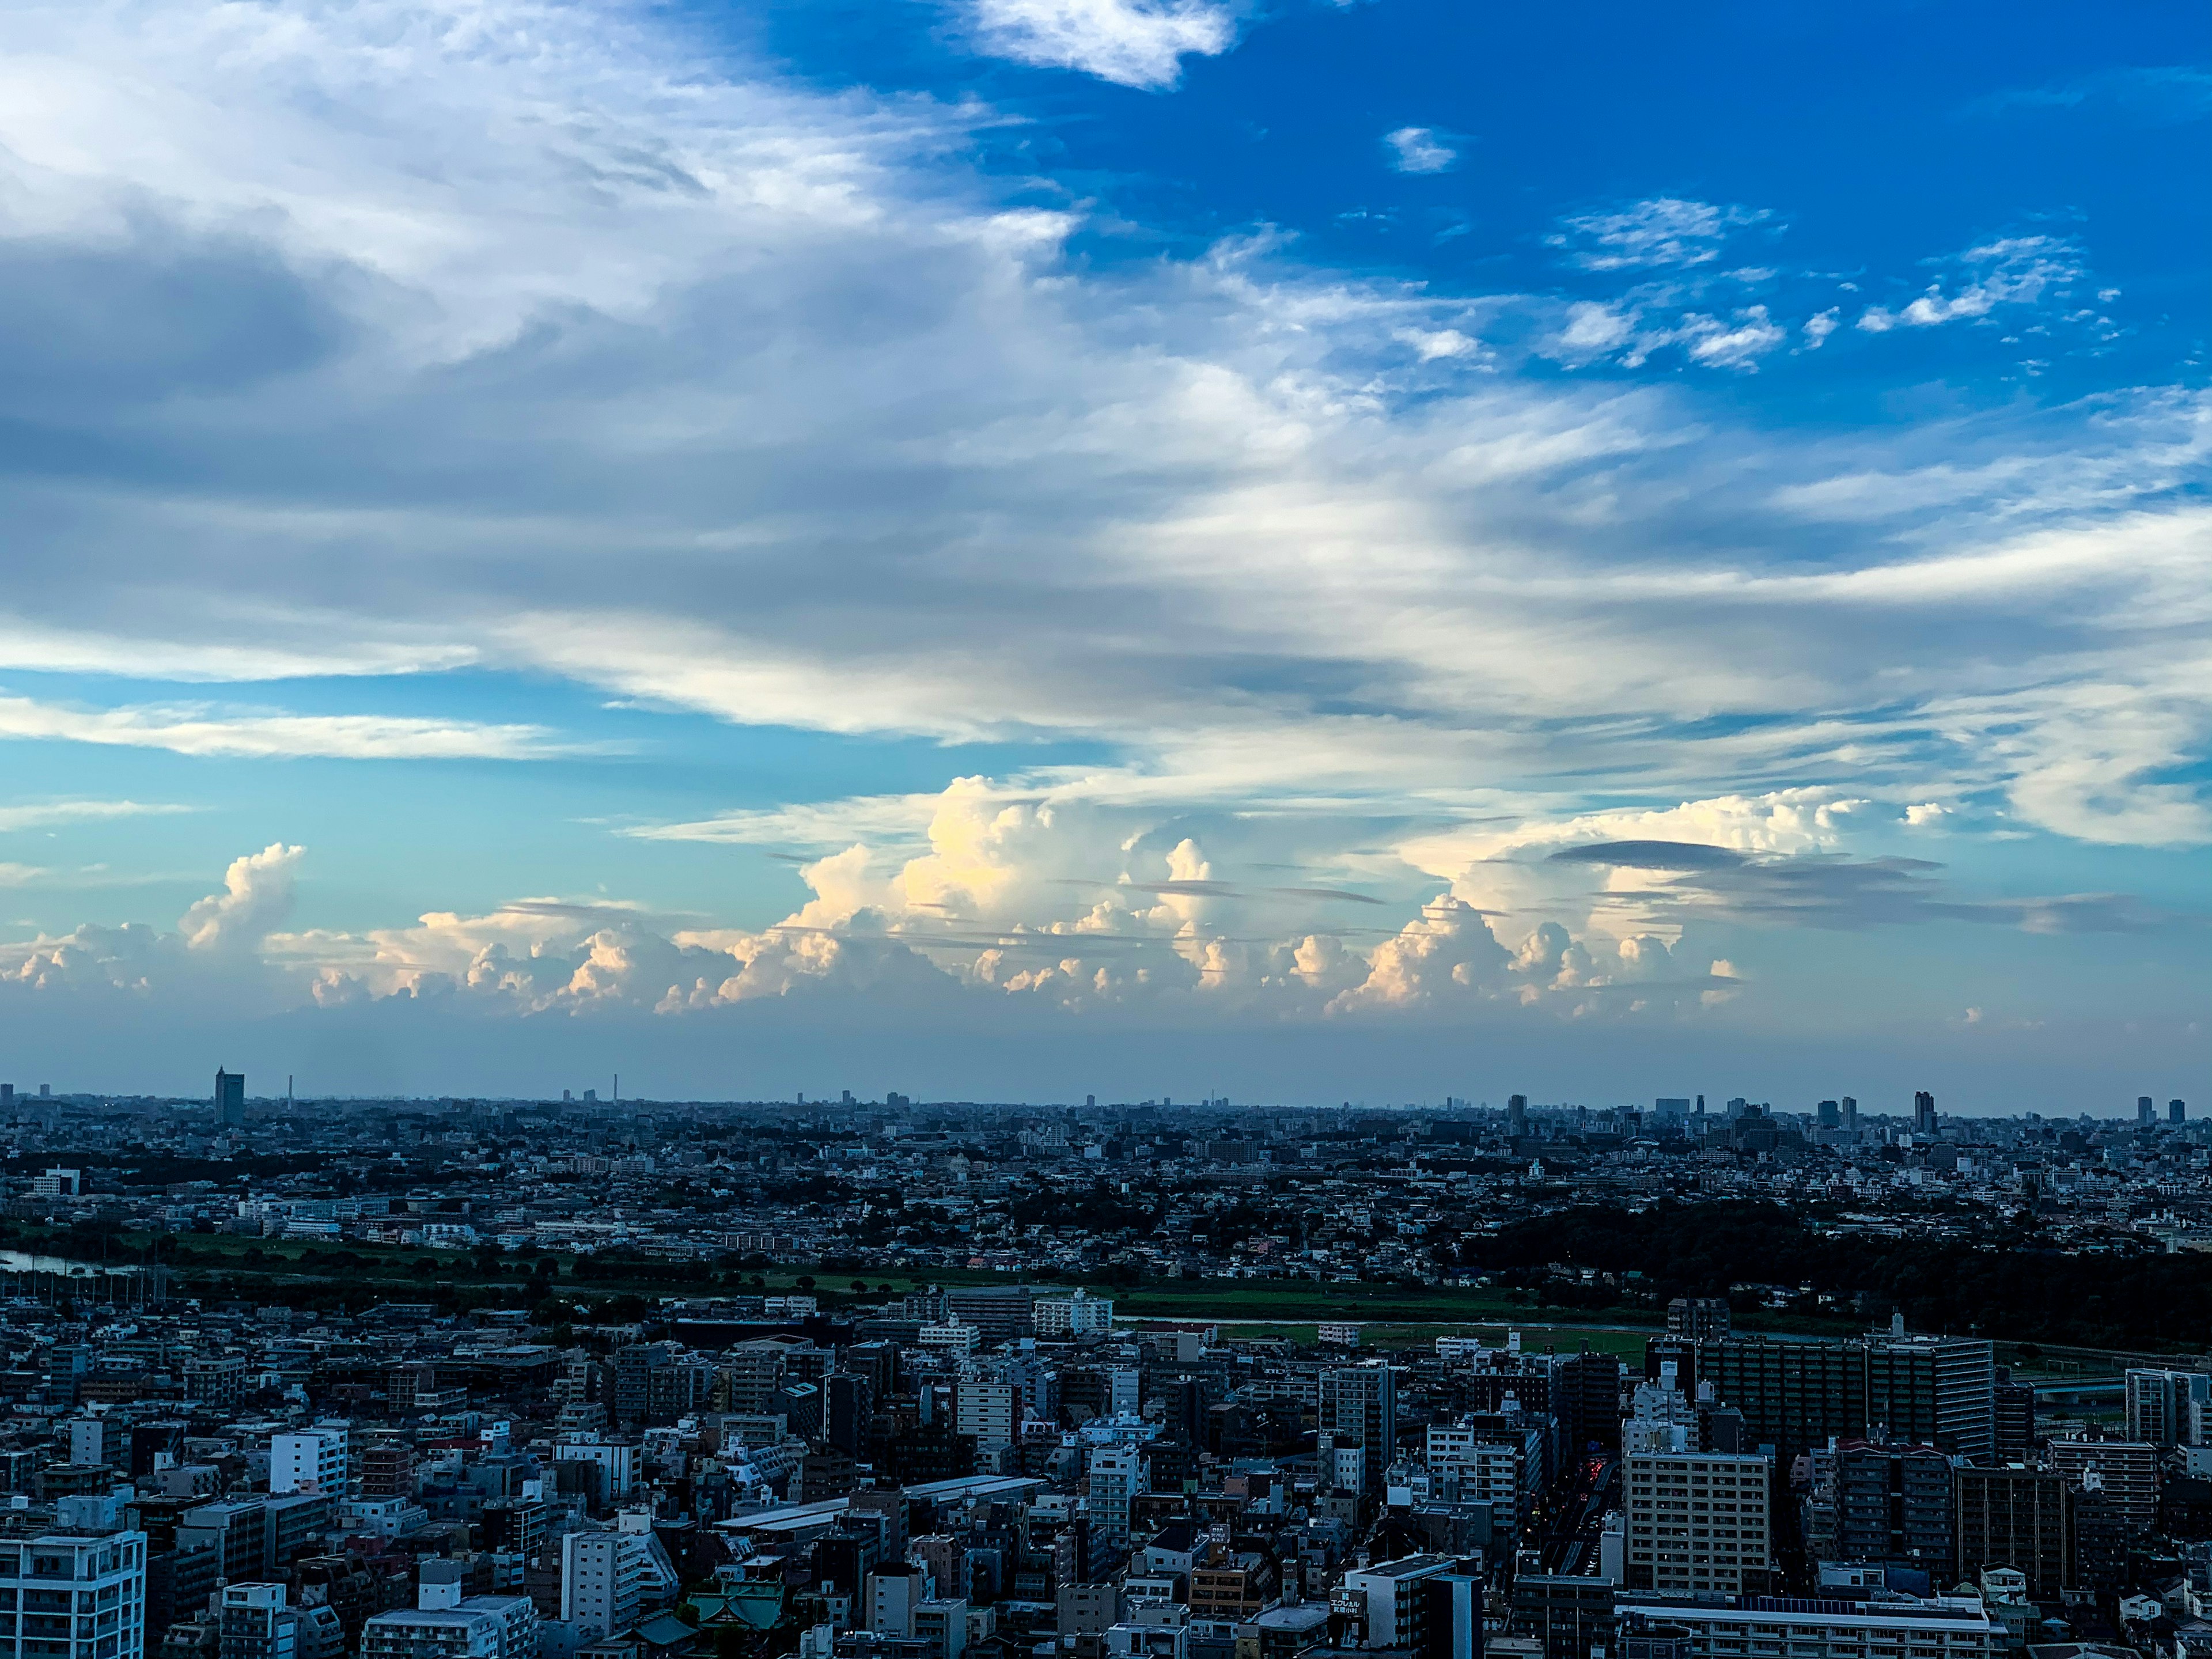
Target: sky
(1010, 550)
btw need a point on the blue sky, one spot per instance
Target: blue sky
(1023, 548)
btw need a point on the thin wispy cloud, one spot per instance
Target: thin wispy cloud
(1664, 233)
(187, 729)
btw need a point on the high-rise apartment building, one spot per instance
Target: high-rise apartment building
(77, 1595)
(2127, 1469)
(310, 1460)
(1923, 1115)
(1698, 1521)
(229, 1098)
(2017, 1517)
(2015, 1417)
(610, 1579)
(2146, 1111)
(2167, 1408)
(1887, 1504)
(1940, 1390)
(1699, 1318)
(985, 1408)
(1116, 1475)
(1517, 1116)
(1359, 1407)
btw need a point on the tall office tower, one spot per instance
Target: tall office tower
(230, 1098)
(2014, 1517)
(1923, 1114)
(1700, 1318)
(1698, 1521)
(2160, 1406)
(1359, 1406)
(1517, 1116)
(1829, 1116)
(2177, 1111)
(1850, 1112)
(2144, 1114)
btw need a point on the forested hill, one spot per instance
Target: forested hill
(2005, 1283)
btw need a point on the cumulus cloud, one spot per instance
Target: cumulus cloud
(1419, 149)
(1132, 43)
(256, 895)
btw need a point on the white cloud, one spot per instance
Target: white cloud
(657, 373)
(41, 815)
(2014, 270)
(1132, 43)
(256, 895)
(199, 730)
(1665, 232)
(1738, 343)
(1419, 149)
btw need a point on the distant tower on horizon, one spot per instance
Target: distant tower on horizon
(1517, 1116)
(229, 1098)
(2145, 1115)
(2177, 1111)
(1923, 1114)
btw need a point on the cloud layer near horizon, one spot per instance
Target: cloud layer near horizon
(399, 337)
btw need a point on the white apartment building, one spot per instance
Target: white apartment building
(1117, 1473)
(617, 1460)
(1698, 1520)
(1388, 1597)
(446, 1624)
(1503, 1468)
(951, 1337)
(609, 1580)
(310, 1460)
(986, 1409)
(1945, 1627)
(77, 1597)
(1078, 1315)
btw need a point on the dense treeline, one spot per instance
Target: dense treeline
(2005, 1283)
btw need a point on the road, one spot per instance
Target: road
(1570, 1544)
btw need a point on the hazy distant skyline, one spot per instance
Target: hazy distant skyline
(1005, 549)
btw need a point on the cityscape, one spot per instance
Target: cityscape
(858, 1379)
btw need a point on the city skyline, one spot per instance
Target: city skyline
(1003, 547)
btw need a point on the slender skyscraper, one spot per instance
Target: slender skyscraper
(230, 1098)
(1923, 1114)
(2145, 1115)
